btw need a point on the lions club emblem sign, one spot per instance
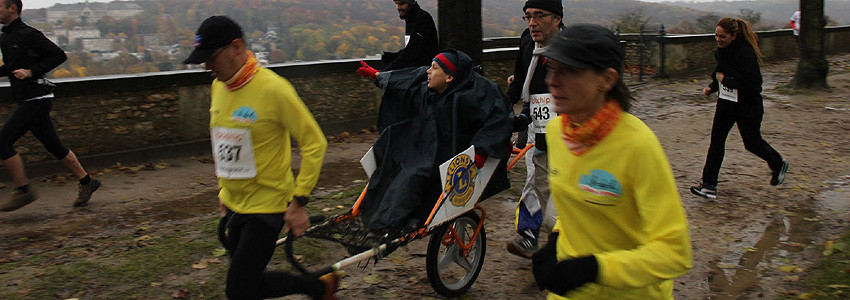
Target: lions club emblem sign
(460, 180)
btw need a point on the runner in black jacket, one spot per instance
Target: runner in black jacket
(737, 78)
(422, 45)
(544, 20)
(27, 57)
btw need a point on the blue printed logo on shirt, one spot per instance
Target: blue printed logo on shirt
(244, 114)
(601, 184)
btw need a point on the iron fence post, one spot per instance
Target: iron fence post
(661, 64)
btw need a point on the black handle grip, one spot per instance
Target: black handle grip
(287, 247)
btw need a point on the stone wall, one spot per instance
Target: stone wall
(126, 113)
(694, 54)
(110, 114)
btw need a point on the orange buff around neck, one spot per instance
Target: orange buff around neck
(581, 137)
(245, 74)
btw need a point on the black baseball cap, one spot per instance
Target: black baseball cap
(587, 46)
(553, 6)
(215, 32)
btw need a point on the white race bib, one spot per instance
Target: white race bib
(233, 153)
(727, 94)
(542, 110)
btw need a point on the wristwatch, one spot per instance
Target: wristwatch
(301, 200)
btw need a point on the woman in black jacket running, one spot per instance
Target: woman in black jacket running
(738, 80)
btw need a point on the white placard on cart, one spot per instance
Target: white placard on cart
(463, 184)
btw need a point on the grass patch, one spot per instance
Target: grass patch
(787, 89)
(831, 279)
(336, 202)
(123, 267)
(151, 262)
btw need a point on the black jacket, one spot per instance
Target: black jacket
(25, 47)
(420, 130)
(423, 44)
(740, 68)
(538, 81)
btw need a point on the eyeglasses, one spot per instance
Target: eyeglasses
(214, 54)
(537, 16)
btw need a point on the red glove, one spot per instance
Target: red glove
(367, 71)
(480, 160)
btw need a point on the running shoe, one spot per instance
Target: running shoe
(704, 191)
(84, 192)
(778, 176)
(18, 199)
(522, 247)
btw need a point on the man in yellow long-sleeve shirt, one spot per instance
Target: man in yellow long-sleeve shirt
(622, 228)
(253, 114)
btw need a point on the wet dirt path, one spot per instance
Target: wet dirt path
(741, 241)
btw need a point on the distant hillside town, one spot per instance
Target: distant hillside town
(135, 36)
(85, 35)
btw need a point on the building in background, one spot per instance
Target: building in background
(88, 13)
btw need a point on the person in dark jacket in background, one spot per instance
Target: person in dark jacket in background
(543, 18)
(738, 80)
(27, 56)
(420, 38)
(427, 116)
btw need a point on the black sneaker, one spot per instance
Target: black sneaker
(84, 192)
(522, 247)
(778, 176)
(704, 191)
(18, 199)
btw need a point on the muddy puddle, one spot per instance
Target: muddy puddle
(764, 248)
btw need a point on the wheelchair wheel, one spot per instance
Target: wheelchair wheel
(451, 270)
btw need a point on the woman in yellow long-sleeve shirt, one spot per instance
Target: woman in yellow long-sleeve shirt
(622, 228)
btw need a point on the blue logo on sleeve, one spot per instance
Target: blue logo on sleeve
(601, 183)
(244, 114)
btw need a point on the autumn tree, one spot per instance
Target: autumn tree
(632, 21)
(750, 16)
(707, 23)
(683, 27)
(812, 67)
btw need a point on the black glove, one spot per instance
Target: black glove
(521, 140)
(521, 123)
(564, 276)
(544, 260)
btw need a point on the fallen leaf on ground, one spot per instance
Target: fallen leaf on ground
(790, 269)
(180, 294)
(805, 296)
(372, 279)
(201, 265)
(828, 248)
(726, 265)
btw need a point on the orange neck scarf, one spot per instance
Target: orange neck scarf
(245, 74)
(581, 137)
